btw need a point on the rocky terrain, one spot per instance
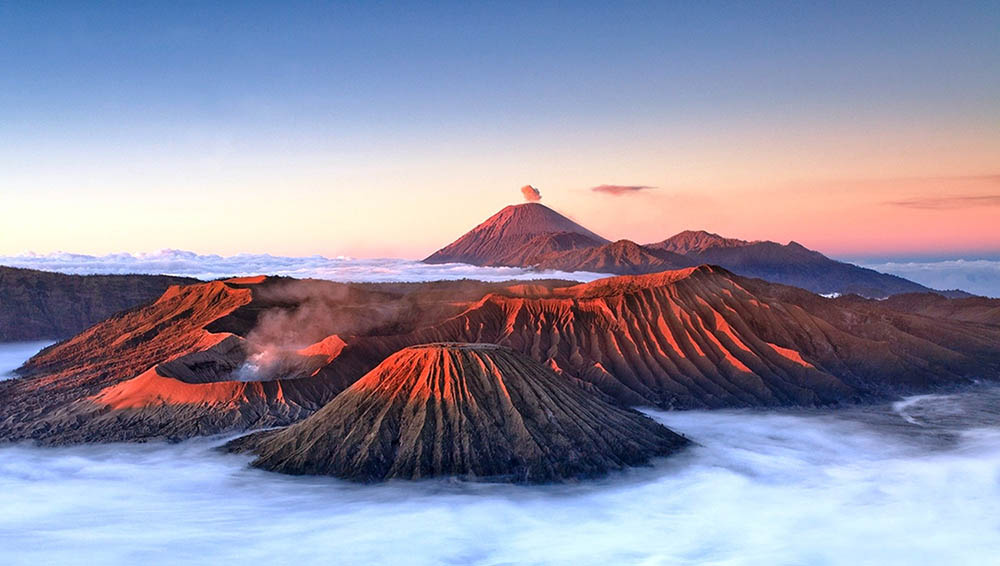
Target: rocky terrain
(40, 305)
(475, 411)
(970, 309)
(212, 357)
(246, 353)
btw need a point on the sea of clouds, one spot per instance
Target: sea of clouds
(915, 482)
(13, 354)
(210, 266)
(977, 276)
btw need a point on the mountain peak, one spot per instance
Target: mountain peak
(696, 241)
(467, 410)
(502, 235)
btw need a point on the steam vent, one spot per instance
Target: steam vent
(475, 411)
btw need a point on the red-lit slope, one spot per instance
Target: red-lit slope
(702, 337)
(475, 411)
(503, 237)
(156, 371)
(697, 337)
(211, 358)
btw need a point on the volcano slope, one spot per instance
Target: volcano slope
(789, 264)
(476, 411)
(211, 357)
(227, 356)
(516, 236)
(703, 337)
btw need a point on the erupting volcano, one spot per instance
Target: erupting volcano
(477, 411)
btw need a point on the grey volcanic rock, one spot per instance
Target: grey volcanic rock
(477, 411)
(37, 305)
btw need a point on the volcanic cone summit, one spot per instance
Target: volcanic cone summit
(476, 411)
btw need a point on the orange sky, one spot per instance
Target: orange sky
(386, 130)
(958, 215)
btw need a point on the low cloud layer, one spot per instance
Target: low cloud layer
(620, 190)
(910, 484)
(190, 264)
(978, 276)
(531, 194)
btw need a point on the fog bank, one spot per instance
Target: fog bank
(915, 482)
(977, 276)
(13, 354)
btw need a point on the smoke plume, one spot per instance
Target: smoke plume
(305, 312)
(531, 194)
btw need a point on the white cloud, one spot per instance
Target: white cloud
(913, 484)
(978, 276)
(179, 262)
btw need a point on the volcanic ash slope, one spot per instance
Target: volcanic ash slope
(476, 411)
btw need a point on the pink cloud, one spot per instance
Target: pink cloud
(619, 190)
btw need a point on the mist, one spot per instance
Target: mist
(912, 482)
(977, 276)
(13, 354)
(210, 266)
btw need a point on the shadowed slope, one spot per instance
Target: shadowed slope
(623, 257)
(36, 305)
(969, 309)
(476, 411)
(790, 264)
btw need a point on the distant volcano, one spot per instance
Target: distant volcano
(477, 411)
(516, 233)
(532, 235)
(790, 264)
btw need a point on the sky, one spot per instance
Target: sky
(389, 129)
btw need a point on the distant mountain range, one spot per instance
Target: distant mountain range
(533, 235)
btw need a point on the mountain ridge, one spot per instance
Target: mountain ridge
(550, 247)
(699, 337)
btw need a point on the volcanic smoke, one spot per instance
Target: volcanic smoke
(531, 194)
